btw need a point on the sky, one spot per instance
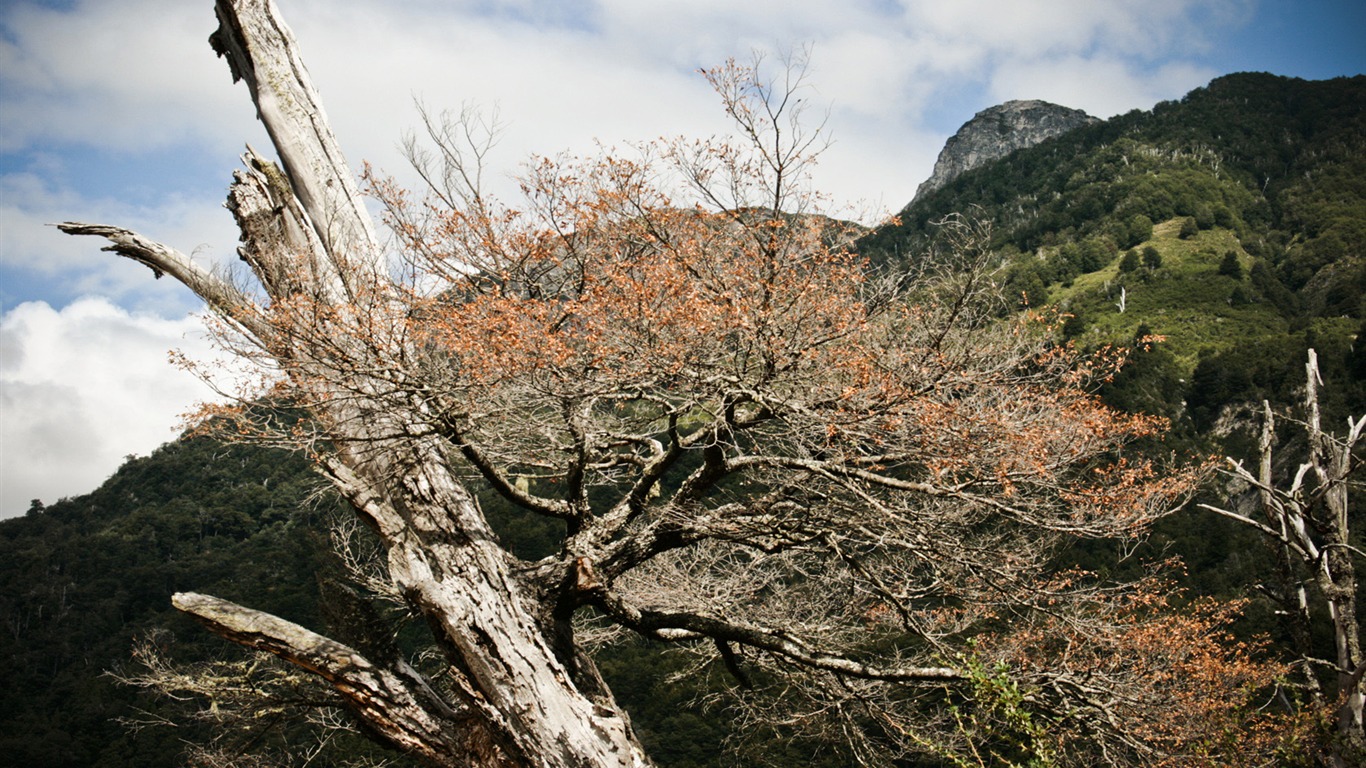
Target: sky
(118, 112)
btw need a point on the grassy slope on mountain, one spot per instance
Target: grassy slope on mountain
(1269, 169)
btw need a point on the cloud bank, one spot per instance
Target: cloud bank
(83, 387)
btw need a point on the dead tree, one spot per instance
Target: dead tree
(310, 241)
(756, 450)
(1306, 516)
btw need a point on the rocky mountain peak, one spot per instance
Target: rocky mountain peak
(996, 132)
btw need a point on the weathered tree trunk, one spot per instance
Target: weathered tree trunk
(1308, 520)
(1332, 464)
(310, 242)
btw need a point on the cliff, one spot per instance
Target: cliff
(996, 132)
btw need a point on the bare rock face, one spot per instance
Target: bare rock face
(996, 132)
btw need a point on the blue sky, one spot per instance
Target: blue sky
(117, 111)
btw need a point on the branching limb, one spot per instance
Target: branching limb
(498, 479)
(1266, 530)
(400, 706)
(221, 296)
(680, 625)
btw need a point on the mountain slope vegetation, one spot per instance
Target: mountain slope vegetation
(82, 580)
(1230, 223)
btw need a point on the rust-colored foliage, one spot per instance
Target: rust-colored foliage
(839, 477)
(891, 441)
(1164, 670)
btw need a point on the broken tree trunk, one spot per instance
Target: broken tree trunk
(1308, 520)
(310, 243)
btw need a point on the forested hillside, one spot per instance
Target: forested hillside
(1218, 238)
(1230, 223)
(85, 583)
(82, 579)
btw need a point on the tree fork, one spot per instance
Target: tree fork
(399, 705)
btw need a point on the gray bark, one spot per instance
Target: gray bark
(1308, 520)
(309, 241)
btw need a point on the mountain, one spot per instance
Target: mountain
(1232, 225)
(1244, 205)
(1268, 169)
(996, 132)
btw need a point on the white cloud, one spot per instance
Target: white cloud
(119, 74)
(126, 74)
(29, 204)
(81, 388)
(1101, 86)
(557, 89)
(1012, 29)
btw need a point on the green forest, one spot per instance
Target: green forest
(1218, 238)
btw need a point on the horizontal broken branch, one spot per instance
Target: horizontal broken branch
(398, 705)
(679, 625)
(221, 296)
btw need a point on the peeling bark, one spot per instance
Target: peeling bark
(261, 51)
(308, 239)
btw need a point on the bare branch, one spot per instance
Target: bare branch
(221, 296)
(680, 626)
(401, 707)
